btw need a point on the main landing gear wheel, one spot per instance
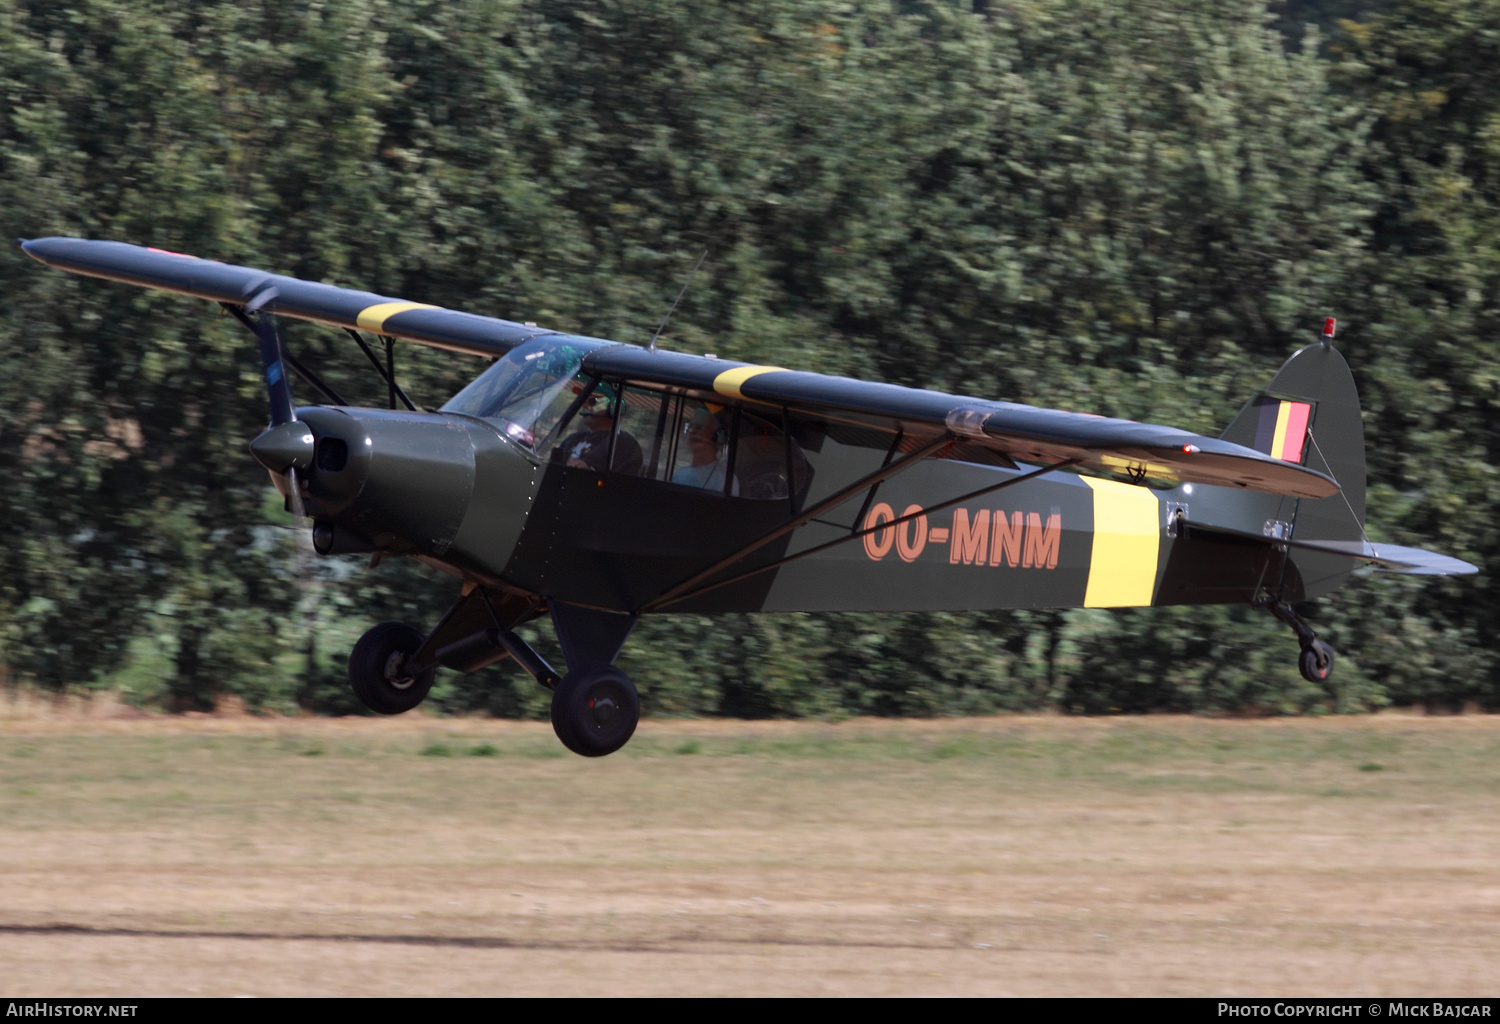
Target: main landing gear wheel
(1316, 662)
(377, 669)
(595, 711)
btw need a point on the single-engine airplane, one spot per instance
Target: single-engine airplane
(594, 482)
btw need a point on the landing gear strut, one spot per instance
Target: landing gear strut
(595, 706)
(1316, 661)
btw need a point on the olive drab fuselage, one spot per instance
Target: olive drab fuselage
(458, 492)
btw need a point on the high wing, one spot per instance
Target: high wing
(297, 299)
(1143, 452)
(983, 430)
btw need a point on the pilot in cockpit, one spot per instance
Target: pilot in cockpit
(707, 446)
(589, 447)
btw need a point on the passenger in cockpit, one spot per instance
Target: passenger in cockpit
(706, 445)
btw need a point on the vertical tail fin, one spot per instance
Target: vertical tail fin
(1309, 413)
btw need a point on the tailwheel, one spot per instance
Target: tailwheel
(378, 669)
(1316, 662)
(594, 712)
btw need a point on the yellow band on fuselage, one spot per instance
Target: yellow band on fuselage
(373, 318)
(1127, 538)
(728, 383)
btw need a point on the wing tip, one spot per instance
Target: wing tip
(1443, 566)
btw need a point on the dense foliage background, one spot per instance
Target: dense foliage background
(1130, 208)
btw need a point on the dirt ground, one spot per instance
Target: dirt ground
(1000, 856)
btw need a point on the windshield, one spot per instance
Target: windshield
(527, 391)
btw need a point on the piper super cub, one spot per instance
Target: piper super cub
(595, 482)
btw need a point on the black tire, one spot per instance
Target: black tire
(595, 712)
(376, 669)
(1316, 662)
(560, 720)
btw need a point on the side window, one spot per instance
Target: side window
(680, 440)
(701, 458)
(686, 442)
(646, 419)
(589, 438)
(766, 464)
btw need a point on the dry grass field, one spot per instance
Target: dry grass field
(1015, 855)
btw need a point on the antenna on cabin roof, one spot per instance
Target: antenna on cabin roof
(652, 347)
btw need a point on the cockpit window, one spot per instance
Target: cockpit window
(592, 441)
(528, 389)
(701, 454)
(638, 431)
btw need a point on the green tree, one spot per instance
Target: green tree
(1129, 209)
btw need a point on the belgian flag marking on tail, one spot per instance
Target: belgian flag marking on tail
(1281, 430)
(1127, 539)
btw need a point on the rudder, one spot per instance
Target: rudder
(1309, 413)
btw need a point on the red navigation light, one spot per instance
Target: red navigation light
(1328, 327)
(1190, 448)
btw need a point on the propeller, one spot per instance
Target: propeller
(268, 333)
(288, 444)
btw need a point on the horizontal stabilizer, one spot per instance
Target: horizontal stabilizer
(1390, 557)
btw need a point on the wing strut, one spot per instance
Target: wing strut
(318, 383)
(864, 509)
(388, 376)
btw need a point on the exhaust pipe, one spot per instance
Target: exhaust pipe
(333, 539)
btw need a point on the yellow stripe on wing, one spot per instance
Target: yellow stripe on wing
(1127, 536)
(373, 318)
(729, 382)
